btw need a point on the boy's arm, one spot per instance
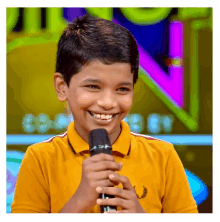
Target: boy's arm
(178, 196)
(76, 204)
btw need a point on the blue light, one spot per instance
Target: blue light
(196, 140)
(43, 123)
(61, 121)
(26, 139)
(135, 128)
(135, 122)
(14, 159)
(167, 121)
(28, 123)
(136, 118)
(193, 140)
(198, 187)
(29, 128)
(153, 123)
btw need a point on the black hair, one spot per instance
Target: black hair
(89, 38)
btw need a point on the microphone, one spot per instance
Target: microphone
(99, 142)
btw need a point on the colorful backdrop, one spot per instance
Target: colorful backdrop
(172, 99)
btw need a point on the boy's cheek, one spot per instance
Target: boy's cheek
(85, 98)
(127, 103)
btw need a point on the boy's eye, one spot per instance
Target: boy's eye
(92, 87)
(123, 89)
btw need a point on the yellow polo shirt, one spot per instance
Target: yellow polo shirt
(50, 173)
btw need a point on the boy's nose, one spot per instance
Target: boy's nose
(107, 101)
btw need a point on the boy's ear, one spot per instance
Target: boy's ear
(60, 86)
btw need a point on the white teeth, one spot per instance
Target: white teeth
(102, 116)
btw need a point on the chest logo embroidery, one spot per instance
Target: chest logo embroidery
(144, 194)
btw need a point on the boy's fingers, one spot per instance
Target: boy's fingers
(104, 165)
(104, 183)
(97, 176)
(121, 179)
(124, 204)
(115, 191)
(105, 161)
(102, 157)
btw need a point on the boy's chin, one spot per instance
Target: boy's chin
(110, 128)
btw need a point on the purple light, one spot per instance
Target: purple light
(176, 51)
(71, 13)
(171, 85)
(176, 39)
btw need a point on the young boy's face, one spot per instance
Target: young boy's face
(100, 96)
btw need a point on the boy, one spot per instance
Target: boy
(97, 67)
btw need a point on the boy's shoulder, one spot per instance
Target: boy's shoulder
(50, 146)
(151, 143)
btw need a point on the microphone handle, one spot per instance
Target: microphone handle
(107, 208)
(99, 142)
(103, 196)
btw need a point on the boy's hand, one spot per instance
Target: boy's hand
(125, 198)
(95, 173)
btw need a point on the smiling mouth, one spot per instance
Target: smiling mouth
(102, 116)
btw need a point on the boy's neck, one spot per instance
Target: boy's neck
(113, 136)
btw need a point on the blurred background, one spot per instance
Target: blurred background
(172, 99)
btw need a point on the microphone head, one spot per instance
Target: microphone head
(99, 142)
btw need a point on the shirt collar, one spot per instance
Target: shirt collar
(121, 145)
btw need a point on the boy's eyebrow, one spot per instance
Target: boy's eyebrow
(98, 81)
(91, 80)
(125, 83)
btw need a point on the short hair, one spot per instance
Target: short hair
(89, 38)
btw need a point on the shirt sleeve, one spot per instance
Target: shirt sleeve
(178, 196)
(31, 191)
